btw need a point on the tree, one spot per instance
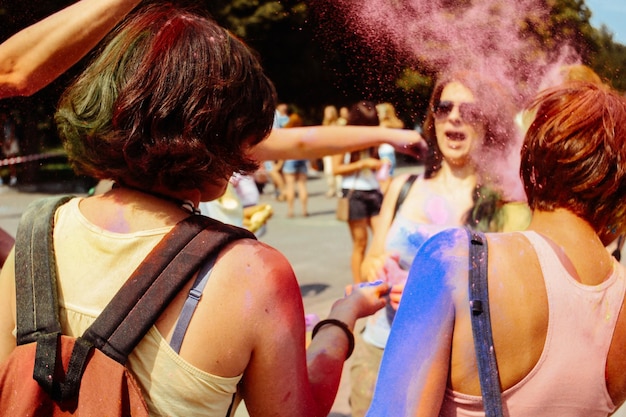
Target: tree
(319, 52)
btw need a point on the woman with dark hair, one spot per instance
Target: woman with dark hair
(169, 109)
(465, 131)
(359, 182)
(556, 296)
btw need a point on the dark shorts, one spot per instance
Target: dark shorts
(364, 204)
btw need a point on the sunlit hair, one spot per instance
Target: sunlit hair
(172, 100)
(574, 154)
(497, 111)
(579, 72)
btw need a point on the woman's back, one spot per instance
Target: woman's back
(93, 262)
(557, 331)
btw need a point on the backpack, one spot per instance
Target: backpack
(50, 374)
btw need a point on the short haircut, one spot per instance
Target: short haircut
(172, 100)
(574, 154)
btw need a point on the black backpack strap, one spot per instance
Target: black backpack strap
(155, 283)
(37, 305)
(132, 311)
(481, 324)
(404, 191)
(35, 272)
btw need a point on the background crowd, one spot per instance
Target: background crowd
(477, 139)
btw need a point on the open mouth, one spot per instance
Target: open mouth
(455, 136)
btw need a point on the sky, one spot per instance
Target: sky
(612, 13)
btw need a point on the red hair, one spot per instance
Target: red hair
(574, 154)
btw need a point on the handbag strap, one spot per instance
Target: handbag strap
(481, 324)
(351, 190)
(404, 191)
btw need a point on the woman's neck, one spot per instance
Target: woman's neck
(187, 201)
(454, 177)
(578, 241)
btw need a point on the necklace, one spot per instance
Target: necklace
(186, 205)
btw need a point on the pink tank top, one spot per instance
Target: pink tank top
(569, 378)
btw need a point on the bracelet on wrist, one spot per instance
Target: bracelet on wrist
(343, 326)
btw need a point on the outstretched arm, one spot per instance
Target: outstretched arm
(279, 378)
(35, 56)
(414, 371)
(319, 141)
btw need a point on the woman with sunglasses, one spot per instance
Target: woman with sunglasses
(469, 122)
(556, 296)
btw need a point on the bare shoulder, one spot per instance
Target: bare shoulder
(251, 266)
(510, 251)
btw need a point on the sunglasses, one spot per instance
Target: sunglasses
(469, 112)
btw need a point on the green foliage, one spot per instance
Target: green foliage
(315, 54)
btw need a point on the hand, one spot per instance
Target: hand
(395, 295)
(416, 147)
(365, 298)
(392, 272)
(371, 163)
(372, 267)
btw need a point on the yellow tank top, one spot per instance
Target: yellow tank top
(92, 265)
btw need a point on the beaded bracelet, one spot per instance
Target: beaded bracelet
(343, 326)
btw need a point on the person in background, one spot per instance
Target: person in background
(295, 173)
(359, 183)
(331, 118)
(459, 133)
(556, 282)
(200, 118)
(386, 152)
(274, 168)
(281, 117)
(343, 116)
